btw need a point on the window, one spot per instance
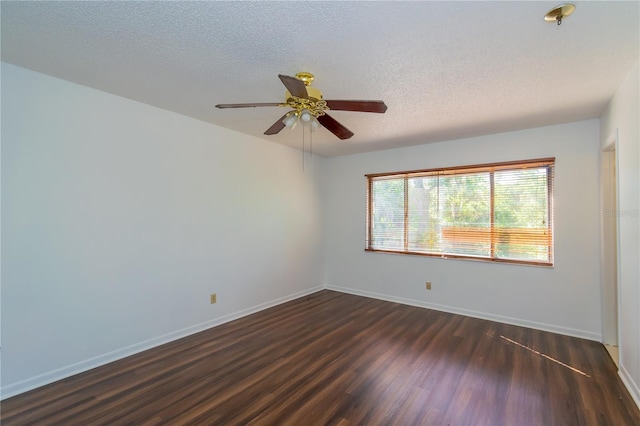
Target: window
(501, 212)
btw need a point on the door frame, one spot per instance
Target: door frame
(610, 244)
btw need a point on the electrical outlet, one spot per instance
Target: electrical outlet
(213, 298)
(428, 285)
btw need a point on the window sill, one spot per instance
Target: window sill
(463, 257)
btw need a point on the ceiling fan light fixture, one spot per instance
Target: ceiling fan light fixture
(291, 120)
(314, 124)
(308, 106)
(306, 117)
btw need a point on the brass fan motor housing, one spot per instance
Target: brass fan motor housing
(314, 104)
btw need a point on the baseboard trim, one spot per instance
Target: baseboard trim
(82, 366)
(630, 384)
(583, 334)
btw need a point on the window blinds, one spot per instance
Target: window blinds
(497, 212)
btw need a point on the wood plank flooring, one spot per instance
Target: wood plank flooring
(338, 359)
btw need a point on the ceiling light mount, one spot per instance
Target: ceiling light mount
(557, 14)
(306, 77)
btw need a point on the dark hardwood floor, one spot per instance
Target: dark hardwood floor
(332, 358)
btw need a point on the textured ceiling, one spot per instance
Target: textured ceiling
(446, 70)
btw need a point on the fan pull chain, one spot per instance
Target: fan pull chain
(303, 148)
(310, 142)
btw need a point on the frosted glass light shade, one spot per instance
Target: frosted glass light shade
(306, 117)
(290, 121)
(314, 124)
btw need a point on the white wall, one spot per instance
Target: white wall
(623, 114)
(564, 299)
(119, 220)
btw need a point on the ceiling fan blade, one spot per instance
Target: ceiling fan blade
(362, 106)
(334, 127)
(277, 126)
(264, 104)
(295, 86)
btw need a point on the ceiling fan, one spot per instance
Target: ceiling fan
(308, 107)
